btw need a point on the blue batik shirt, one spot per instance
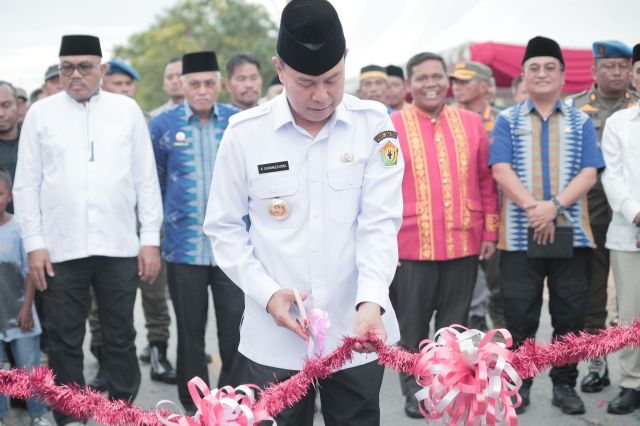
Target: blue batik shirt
(185, 152)
(546, 155)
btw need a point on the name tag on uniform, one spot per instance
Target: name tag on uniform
(273, 167)
(181, 139)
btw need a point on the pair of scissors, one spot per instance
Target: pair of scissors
(303, 319)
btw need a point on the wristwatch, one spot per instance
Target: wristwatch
(558, 205)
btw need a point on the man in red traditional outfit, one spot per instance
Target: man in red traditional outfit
(450, 217)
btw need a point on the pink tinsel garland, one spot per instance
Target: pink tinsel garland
(529, 360)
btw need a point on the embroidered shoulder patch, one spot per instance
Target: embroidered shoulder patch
(389, 154)
(386, 134)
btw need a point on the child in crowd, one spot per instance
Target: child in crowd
(19, 325)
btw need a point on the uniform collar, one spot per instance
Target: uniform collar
(529, 107)
(282, 113)
(189, 114)
(594, 95)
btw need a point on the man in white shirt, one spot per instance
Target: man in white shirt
(85, 166)
(319, 174)
(621, 181)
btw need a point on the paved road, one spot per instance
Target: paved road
(540, 412)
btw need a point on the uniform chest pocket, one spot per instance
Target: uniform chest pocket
(274, 202)
(345, 190)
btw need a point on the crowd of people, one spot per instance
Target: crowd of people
(415, 199)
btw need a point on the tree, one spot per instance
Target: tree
(226, 26)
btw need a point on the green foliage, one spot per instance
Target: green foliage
(226, 26)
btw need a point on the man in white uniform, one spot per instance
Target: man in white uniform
(319, 174)
(621, 181)
(85, 165)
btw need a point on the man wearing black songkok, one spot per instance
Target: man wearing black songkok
(319, 174)
(545, 157)
(85, 171)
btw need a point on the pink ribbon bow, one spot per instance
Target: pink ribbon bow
(467, 377)
(225, 406)
(319, 324)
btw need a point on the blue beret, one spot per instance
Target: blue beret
(611, 49)
(119, 67)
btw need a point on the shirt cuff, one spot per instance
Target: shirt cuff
(630, 209)
(373, 293)
(33, 243)
(150, 238)
(261, 291)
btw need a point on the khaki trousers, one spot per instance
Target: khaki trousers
(626, 270)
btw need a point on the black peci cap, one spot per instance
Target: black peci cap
(73, 45)
(199, 62)
(636, 54)
(395, 71)
(310, 40)
(542, 46)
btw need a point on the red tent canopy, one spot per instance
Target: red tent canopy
(505, 61)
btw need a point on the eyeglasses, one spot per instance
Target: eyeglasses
(548, 68)
(84, 68)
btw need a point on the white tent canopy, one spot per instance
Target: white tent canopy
(383, 32)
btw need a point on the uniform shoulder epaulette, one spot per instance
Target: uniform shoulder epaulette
(251, 113)
(571, 99)
(631, 95)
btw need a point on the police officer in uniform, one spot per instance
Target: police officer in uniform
(319, 174)
(610, 93)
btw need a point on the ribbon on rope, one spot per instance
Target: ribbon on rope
(225, 406)
(467, 377)
(488, 361)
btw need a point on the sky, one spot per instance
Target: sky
(377, 31)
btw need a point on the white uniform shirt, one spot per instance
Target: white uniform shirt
(621, 178)
(83, 170)
(339, 241)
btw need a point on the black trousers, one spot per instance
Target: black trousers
(522, 285)
(349, 397)
(66, 304)
(154, 307)
(427, 287)
(597, 300)
(188, 285)
(492, 270)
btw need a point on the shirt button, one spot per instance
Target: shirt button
(274, 189)
(445, 181)
(315, 249)
(447, 204)
(315, 215)
(316, 283)
(441, 159)
(437, 139)
(350, 181)
(314, 179)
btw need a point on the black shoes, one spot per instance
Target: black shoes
(626, 402)
(525, 395)
(145, 355)
(597, 378)
(566, 398)
(411, 407)
(161, 369)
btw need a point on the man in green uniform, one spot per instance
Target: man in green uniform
(609, 93)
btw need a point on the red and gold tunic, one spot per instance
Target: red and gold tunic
(450, 198)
